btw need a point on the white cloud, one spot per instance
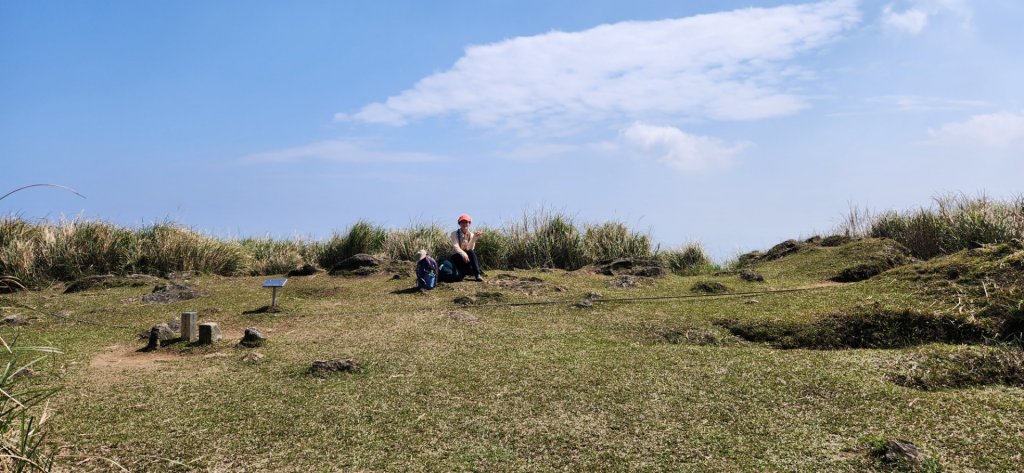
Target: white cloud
(915, 18)
(1003, 131)
(920, 103)
(911, 21)
(720, 66)
(339, 150)
(680, 150)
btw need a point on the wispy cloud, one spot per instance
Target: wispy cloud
(1003, 131)
(721, 66)
(915, 18)
(920, 103)
(340, 151)
(680, 150)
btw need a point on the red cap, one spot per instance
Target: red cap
(465, 218)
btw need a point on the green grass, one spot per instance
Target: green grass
(527, 388)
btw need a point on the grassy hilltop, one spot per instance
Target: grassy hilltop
(809, 356)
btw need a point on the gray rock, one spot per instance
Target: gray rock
(14, 320)
(357, 262)
(901, 451)
(327, 367)
(160, 335)
(24, 373)
(627, 281)
(170, 292)
(710, 287)
(304, 270)
(632, 266)
(751, 276)
(584, 304)
(253, 338)
(253, 357)
(462, 316)
(464, 300)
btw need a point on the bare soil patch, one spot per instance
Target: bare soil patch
(120, 357)
(528, 285)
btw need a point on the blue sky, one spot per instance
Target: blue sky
(736, 124)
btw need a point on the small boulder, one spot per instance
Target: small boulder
(784, 249)
(632, 266)
(709, 287)
(464, 300)
(748, 259)
(751, 276)
(252, 338)
(253, 357)
(584, 304)
(489, 296)
(24, 373)
(14, 320)
(159, 336)
(836, 240)
(900, 452)
(170, 292)
(462, 316)
(360, 262)
(321, 368)
(626, 281)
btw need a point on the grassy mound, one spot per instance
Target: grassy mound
(816, 262)
(873, 327)
(963, 366)
(983, 283)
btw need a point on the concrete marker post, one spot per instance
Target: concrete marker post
(189, 330)
(209, 332)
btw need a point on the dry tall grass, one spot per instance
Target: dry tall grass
(38, 253)
(952, 223)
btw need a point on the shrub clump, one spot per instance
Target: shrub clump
(954, 222)
(545, 240)
(613, 240)
(361, 238)
(688, 260)
(963, 366)
(269, 256)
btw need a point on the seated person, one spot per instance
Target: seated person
(464, 241)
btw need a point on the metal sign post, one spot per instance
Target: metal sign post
(274, 284)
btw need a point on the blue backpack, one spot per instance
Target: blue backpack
(449, 272)
(426, 273)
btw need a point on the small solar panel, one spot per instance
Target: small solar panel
(275, 282)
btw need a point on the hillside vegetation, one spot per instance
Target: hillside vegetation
(819, 354)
